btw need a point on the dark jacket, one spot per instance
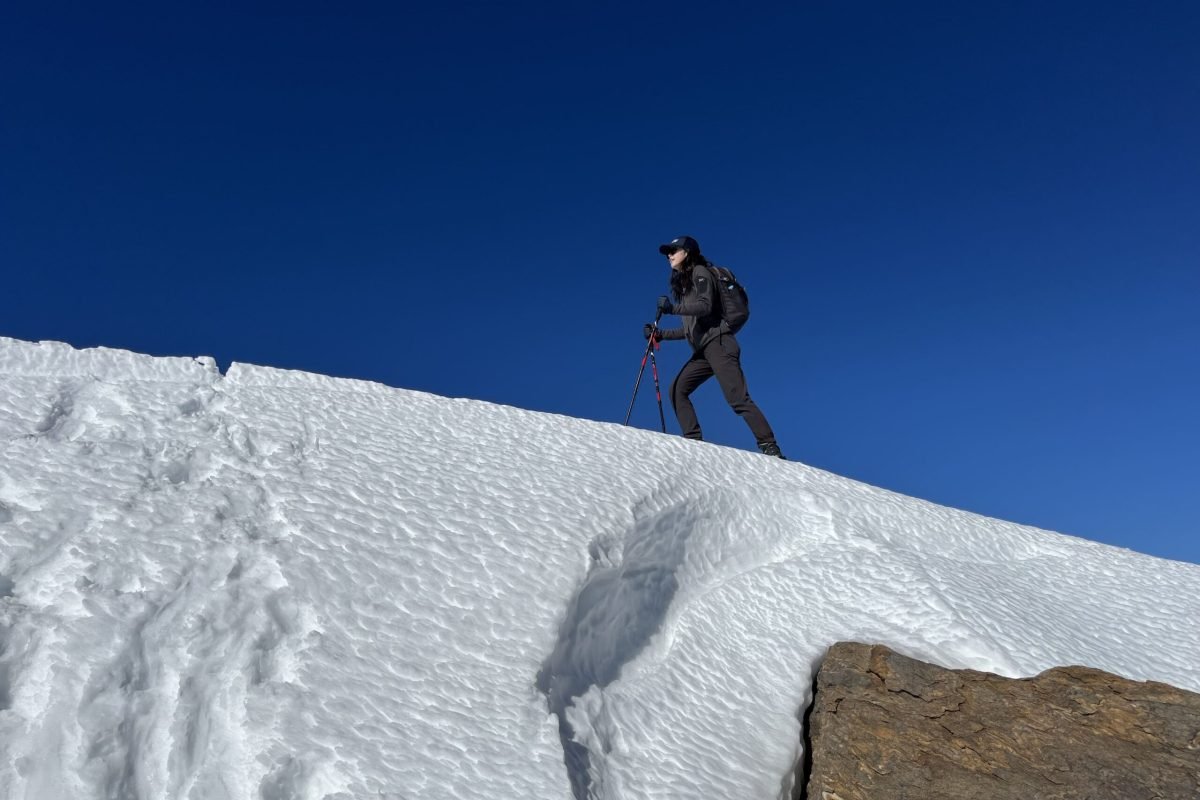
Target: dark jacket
(701, 311)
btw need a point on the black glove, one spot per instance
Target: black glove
(665, 306)
(649, 330)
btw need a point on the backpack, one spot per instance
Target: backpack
(735, 303)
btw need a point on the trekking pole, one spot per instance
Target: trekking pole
(654, 368)
(650, 346)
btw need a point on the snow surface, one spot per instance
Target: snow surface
(281, 585)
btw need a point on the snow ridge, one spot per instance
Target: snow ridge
(280, 585)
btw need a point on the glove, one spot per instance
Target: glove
(665, 306)
(649, 330)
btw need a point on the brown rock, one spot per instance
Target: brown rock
(887, 727)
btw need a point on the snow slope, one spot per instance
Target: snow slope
(281, 585)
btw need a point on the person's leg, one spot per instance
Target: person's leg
(725, 356)
(695, 372)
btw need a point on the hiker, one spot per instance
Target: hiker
(715, 350)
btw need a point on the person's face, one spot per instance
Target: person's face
(677, 257)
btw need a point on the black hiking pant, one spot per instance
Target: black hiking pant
(721, 357)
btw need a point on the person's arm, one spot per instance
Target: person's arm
(702, 304)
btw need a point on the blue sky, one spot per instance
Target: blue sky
(970, 232)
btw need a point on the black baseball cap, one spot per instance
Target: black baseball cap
(679, 243)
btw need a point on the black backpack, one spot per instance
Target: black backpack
(735, 303)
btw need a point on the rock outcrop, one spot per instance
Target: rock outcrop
(887, 727)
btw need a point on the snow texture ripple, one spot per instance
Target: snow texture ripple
(280, 585)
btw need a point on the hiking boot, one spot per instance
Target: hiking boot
(770, 449)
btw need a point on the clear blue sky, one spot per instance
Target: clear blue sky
(971, 231)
